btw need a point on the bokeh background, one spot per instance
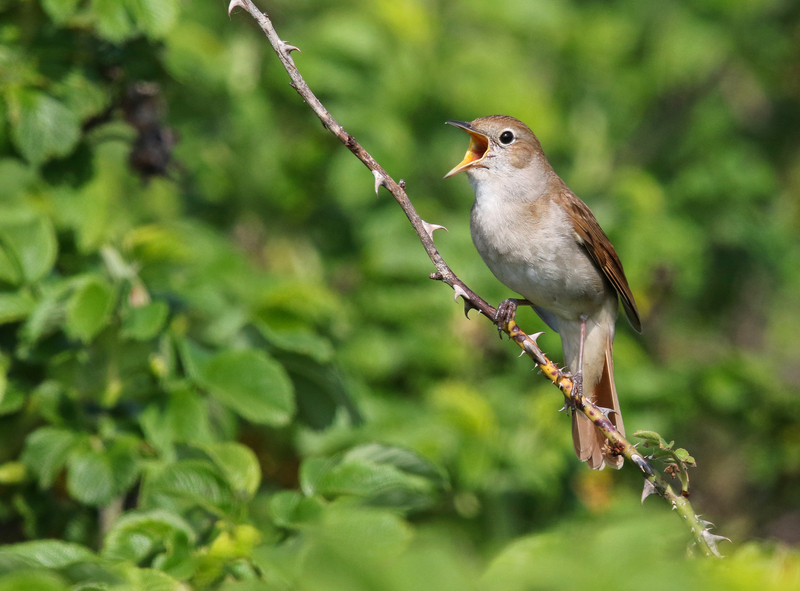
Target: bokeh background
(224, 365)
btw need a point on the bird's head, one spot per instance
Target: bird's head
(498, 144)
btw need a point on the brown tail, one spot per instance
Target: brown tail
(587, 439)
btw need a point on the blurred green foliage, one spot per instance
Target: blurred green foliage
(222, 364)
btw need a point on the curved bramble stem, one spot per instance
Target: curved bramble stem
(655, 482)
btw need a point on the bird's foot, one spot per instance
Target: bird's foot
(577, 387)
(505, 314)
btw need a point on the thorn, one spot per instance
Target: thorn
(468, 305)
(290, 48)
(606, 411)
(521, 353)
(402, 184)
(234, 4)
(649, 489)
(643, 465)
(534, 351)
(431, 228)
(713, 540)
(460, 293)
(706, 524)
(380, 180)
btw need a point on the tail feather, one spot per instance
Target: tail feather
(587, 439)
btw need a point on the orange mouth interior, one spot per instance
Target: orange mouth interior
(478, 146)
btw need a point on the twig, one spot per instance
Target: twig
(654, 482)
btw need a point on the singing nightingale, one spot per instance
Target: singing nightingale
(544, 243)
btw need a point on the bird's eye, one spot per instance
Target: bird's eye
(506, 137)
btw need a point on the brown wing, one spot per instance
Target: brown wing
(602, 252)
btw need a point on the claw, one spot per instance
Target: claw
(577, 387)
(234, 4)
(506, 312)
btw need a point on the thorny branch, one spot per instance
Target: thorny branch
(654, 482)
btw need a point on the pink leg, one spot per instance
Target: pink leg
(577, 378)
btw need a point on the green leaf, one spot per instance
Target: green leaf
(31, 241)
(49, 553)
(186, 484)
(192, 356)
(187, 416)
(82, 96)
(12, 401)
(302, 342)
(251, 384)
(648, 435)
(236, 543)
(90, 477)
(136, 535)
(156, 434)
(12, 472)
(681, 454)
(95, 477)
(380, 474)
(59, 10)
(9, 269)
(42, 127)
(48, 315)
(289, 508)
(186, 419)
(651, 438)
(403, 459)
(18, 177)
(365, 532)
(26, 581)
(154, 17)
(5, 362)
(239, 464)
(46, 451)
(145, 322)
(89, 309)
(684, 456)
(15, 306)
(113, 22)
(148, 579)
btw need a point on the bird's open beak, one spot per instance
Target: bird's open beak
(478, 146)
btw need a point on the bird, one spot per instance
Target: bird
(542, 242)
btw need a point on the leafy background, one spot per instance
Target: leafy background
(224, 367)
